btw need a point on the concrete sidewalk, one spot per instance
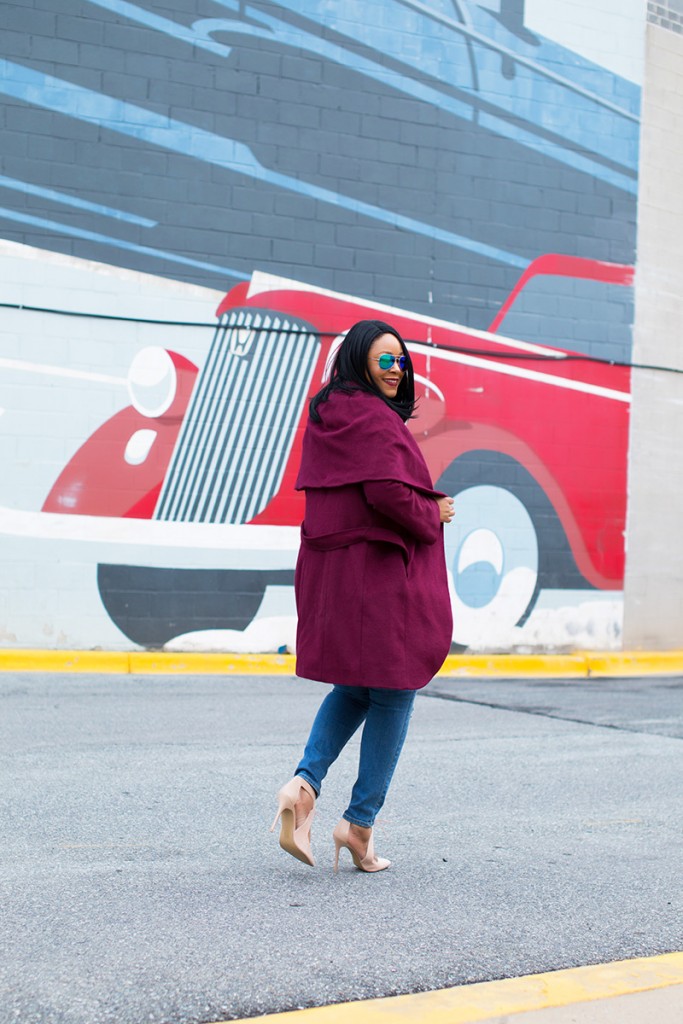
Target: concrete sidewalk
(664, 1005)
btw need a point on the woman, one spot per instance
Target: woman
(374, 613)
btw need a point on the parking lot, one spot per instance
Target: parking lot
(532, 826)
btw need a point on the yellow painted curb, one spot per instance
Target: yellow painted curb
(486, 1000)
(578, 665)
(212, 664)
(514, 666)
(64, 661)
(635, 663)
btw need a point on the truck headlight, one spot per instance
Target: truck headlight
(152, 381)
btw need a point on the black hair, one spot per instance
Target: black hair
(349, 372)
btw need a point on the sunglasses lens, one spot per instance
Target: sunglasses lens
(386, 361)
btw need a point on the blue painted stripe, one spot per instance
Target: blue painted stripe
(438, 48)
(117, 115)
(117, 243)
(579, 161)
(384, 39)
(518, 58)
(165, 25)
(82, 204)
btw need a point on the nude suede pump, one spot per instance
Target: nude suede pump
(296, 841)
(367, 863)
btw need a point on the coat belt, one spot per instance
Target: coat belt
(355, 535)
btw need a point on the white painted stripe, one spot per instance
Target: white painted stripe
(193, 447)
(214, 420)
(261, 283)
(517, 371)
(60, 371)
(430, 386)
(250, 498)
(270, 389)
(229, 441)
(201, 453)
(275, 481)
(236, 455)
(148, 532)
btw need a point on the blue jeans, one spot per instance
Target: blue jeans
(386, 714)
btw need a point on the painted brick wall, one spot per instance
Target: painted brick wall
(416, 160)
(157, 120)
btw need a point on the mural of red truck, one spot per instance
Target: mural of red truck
(529, 436)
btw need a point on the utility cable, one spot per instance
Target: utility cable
(562, 357)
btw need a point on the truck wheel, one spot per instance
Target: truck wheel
(504, 544)
(152, 605)
(492, 557)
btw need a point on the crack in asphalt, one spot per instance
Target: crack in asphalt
(435, 695)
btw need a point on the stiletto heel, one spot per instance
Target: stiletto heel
(367, 863)
(295, 839)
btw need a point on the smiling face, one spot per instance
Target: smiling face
(386, 381)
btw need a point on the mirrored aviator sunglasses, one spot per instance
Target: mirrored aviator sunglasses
(386, 361)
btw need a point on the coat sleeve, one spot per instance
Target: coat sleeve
(415, 512)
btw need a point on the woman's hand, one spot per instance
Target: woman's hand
(446, 509)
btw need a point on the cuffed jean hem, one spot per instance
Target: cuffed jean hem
(355, 821)
(312, 782)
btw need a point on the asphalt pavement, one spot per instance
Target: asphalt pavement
(532, 826)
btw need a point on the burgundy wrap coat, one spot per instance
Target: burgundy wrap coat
(371, 586)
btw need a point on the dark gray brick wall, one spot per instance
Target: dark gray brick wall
(310, 118)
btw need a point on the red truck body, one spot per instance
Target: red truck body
(536, 433)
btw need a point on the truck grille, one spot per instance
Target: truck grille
(237, 434)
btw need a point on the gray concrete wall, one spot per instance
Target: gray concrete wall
(653, 592)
